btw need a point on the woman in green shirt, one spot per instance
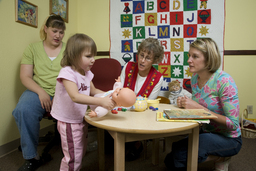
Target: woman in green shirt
(40, 66)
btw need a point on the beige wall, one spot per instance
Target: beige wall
(14, 37)
(240, 35)
(92, 17)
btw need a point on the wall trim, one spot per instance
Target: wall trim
(240, 52)
(226, 52)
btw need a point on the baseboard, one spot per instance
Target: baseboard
(13, 145)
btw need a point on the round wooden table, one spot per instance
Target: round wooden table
(135, 126)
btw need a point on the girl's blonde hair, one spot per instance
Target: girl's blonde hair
(75, 46)
(151, 45)
(210, 51)
(54, 21)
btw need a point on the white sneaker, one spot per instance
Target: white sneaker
(223, 164)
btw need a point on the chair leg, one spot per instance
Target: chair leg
(145, 149)
(54, 141)
(163, 139)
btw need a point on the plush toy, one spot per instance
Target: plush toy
(121, 96)
(175, 91)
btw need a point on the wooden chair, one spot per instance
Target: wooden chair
(105, 71)
(163, 100)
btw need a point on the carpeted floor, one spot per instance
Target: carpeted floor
(244, 161)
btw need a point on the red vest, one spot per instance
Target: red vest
(152, 79)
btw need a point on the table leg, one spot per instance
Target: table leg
(119, 150)
(193, 141)
(155, 151)
(101, 149)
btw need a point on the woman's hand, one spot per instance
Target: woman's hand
(107, 103)
(187, 103)
(45, 100)
(26, 77)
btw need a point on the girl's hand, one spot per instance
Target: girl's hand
(107, 102)
(187, 103)
(45, 100)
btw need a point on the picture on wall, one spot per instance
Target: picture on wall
(59, 7)
(26, 13)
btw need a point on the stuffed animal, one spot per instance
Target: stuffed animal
(175, 91)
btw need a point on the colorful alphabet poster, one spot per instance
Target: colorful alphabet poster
(175, 23)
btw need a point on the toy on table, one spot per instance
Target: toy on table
(153, 104)
(121, 96)
(177, 91)
(140, 104)
(152, 108)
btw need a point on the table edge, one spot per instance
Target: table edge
(139, 131)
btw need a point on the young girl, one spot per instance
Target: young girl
(72, 96)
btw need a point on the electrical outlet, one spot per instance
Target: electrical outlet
(250, 109)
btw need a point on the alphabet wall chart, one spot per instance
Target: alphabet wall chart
(175, 23)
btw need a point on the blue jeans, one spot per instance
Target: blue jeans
(209, 144)
(28, 114)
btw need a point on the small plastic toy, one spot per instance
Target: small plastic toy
(123, 109)
(152, 108)
(114, 111)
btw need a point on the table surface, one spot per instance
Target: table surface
(139, 122)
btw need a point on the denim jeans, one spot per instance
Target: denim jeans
(209, 144)
(28, 114)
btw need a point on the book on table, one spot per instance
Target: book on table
(185, 115)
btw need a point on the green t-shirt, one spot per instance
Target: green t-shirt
(45, 70)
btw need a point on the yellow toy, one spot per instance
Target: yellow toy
(140, 104)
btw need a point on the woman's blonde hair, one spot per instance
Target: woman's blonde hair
(210, 51)
(54, 21)
(75, 46)
(151, 45)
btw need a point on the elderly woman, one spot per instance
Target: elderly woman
(141, 76)
(144, 80)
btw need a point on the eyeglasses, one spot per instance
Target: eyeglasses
(146, 58)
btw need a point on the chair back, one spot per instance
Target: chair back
(105, 71)
(163, 100)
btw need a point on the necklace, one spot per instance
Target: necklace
(201, 83)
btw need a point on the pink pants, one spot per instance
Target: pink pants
(74, 143)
